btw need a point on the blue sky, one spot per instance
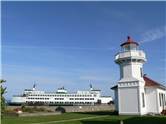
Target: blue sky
(73, 44)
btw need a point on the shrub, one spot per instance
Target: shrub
(163, 112)
(41, 109)
(60, 109)
(9, 111)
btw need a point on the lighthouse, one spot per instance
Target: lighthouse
(135, 93)
(131, 84)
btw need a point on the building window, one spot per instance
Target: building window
(143, 100)
(160, 98)
(164, 99)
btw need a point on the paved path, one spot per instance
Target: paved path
(69, 120)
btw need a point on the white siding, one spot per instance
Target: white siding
(105, 100)
(128, 101)
(141, 107)
(136, 70)
(151, 103)
(162, 106)
(126, 70)
(18, 99)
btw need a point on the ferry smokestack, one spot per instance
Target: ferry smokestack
(34, 86)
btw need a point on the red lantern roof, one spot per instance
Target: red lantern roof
(129, 41)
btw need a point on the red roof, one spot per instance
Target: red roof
(151, 83)
(129, 41)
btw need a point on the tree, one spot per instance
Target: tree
(3, 91)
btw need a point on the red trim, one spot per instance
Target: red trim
(129, 41)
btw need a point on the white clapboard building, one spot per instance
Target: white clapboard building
(61, 97)
(135, 93)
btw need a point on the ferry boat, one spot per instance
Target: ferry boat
(60, 97)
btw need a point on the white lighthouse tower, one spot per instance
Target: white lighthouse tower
(130, 89)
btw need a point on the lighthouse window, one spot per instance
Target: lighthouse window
(141, 71)
(127, 48)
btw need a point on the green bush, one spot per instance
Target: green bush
(34, 109)
(41, 109)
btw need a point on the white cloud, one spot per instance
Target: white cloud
(153, 34)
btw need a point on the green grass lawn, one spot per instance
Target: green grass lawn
(85, 118)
